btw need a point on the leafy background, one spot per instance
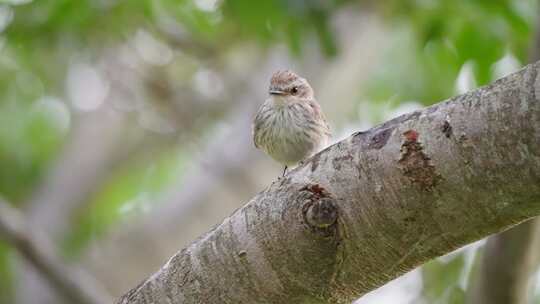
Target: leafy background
(173, 71)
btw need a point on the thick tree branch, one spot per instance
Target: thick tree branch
(510, 258)
(71, 283)
(405, 192)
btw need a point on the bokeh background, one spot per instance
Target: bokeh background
(125, 125)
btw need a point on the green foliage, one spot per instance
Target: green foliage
(203, 25)
(290, 21)
(29, 139)
(79, 23)
(454, 295)
(410, 73)
(441, 36)
(431, 40)
(441, 281)
(6, 295)
(43, 36)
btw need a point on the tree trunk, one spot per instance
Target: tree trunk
(372, 206)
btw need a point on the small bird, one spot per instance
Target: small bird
(290, 125)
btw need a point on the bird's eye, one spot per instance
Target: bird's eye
(294, 90)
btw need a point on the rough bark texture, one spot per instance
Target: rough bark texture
(510, 258)
(404, 192)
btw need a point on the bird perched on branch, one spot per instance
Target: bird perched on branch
(290, 125)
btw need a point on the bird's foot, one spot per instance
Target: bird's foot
(284, 171)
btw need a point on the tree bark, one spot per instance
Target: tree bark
(510, 258)
(372, 206)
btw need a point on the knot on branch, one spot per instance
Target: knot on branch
(322, 213)
(320, 209)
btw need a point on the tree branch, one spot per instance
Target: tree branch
(405, 192)
(510, 258)
(38, 251)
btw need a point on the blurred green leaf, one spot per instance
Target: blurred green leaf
(412, 74)
(434, 39)
(454, 295)
(28, 142)
(441, 279)
(324, 33)
(6, 276)
(431, 41)
(271, 20)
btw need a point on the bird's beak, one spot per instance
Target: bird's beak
(276, 92)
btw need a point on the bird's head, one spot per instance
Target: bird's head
(287, 86)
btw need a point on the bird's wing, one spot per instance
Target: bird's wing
(256, 126)
(320, 115)
(254, 130)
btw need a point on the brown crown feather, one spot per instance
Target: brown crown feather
(282, 78)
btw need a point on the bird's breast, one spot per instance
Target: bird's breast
(289, 133)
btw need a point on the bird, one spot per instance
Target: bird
(290, 125)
